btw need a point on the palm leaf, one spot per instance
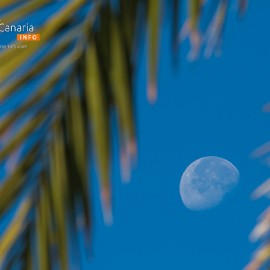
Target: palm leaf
(72, 81)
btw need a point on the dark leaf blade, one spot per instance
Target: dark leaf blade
(58, 189)
(121, 91)
(154, 22)
(76, 123)
(99, 116)
(16, 227)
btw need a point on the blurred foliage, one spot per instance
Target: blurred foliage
(261, 232)
(77, 78)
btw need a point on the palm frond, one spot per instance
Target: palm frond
(261, 231)
(57, 97)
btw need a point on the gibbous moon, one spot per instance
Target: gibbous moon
(206, 181)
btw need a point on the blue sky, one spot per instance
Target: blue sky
(211, 107)
(205, 108)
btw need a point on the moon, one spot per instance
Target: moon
(206, 181)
